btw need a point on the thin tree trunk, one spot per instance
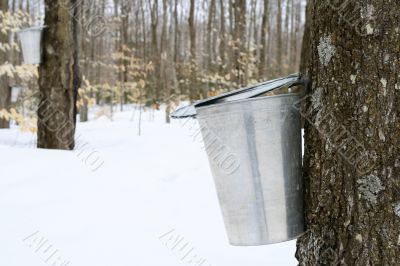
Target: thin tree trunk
(222, 44)
(176, 33)
(239, 39)
(256, 32)
(193, 61)
(164, 56)
(144, 34)
(59, 78)
(279, 38)
(154, 47)
(209, 34)
(126, 7)
(293, 38)
(192, 30)
(164, 40)
(5, 95)
(286, 39)
(306, 48)
(84, 108)
(263, 49)
(252, 22)
(352, 143)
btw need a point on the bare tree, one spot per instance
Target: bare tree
(59, 76)
(193, 59)
(263, 47)
(278, 64)
(222, 44)
(5, 95)
(239, 39)
(211, 14)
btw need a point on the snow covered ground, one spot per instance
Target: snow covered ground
(119, 200)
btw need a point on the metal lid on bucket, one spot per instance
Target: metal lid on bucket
(241, 94)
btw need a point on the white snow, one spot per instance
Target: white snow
(150, 190)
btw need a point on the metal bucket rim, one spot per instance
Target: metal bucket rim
(248, 100)
(36, 28)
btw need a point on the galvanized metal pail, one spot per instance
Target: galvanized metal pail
(254, 149)
(255, 154)
(15, 92)
(31, 42)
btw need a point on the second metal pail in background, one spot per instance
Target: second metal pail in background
(31, 42)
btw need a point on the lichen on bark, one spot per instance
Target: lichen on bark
(370, 186)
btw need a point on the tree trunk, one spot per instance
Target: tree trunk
(222, 37)
(209, 34)
(239, 39)
(5, 95)
(176, 34)
(286, 39)
(126, 7)
(306, 48)
(154, 48)
(352, 144)
(279, 38)
(193, 61)
(59, 78)
(263, 47)
(86, 51)
(192, 30)
(295, 32)
(144, 33)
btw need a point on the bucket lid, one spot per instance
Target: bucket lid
(241, 94)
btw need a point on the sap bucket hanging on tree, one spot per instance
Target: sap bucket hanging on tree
(253, 143)
(31, 43)
(15, 92)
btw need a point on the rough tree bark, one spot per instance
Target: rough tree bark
(59, 76)
(352, 155)
(5, 95)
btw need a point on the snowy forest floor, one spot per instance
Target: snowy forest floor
(118, 200)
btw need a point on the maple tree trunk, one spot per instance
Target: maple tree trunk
(59, 76)
(352, 143)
